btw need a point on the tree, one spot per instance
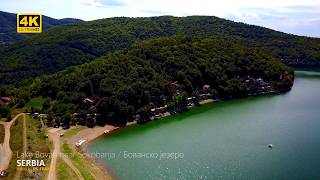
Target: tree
(46, 105)
(144, 114)
(8, 117)
(4, 111)
(50, 120)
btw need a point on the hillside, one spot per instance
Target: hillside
(61, 47)
(8, 28)
(133, 80)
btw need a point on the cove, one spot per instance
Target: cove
(226, 140)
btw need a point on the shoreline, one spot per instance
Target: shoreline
(90, 135)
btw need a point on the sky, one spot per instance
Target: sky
(301, 17)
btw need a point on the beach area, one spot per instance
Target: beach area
(91, 134)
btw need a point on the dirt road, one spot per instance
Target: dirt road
(25, 145)
(5, 150)
(70, 164)
(54, 137)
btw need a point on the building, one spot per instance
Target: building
(174, 88)
(5, 100)
(206, 89)
(87, 103)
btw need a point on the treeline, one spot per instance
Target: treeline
(62, 47)
(132, 81)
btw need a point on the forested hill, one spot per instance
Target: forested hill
(133, 80)
(8, 28)
(61, 47)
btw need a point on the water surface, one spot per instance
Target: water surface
(227, 140)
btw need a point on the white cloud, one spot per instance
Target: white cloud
(102, 3)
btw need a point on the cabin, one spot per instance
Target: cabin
(173, 88)
(5, 100)
(205, 89)
(261, 82)
(87, 103)
(88, 100)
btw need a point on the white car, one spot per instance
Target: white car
(80, 142)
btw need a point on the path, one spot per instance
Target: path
(70, 164)
(5, 150)
(25, 145)
(54, 137)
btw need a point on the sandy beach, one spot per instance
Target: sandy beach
(90, 134)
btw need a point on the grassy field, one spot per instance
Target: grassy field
(64, 172)
(73, 131)
(16, 143)
(36, 143)
(1, 133)
(79, 160)
(35, 103)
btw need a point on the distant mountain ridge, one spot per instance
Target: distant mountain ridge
(8, 31)
(65, 46)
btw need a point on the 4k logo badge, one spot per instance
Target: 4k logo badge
(29, 23)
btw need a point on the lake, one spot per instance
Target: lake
(225, 140)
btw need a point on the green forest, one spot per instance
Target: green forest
(133, 81)
(61, 47)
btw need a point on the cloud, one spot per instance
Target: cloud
(308, 9)
(112, 2)
(300, 20)
(103, 3)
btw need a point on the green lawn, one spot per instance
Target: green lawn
(79, 161)
(64, 172)
(1, 133)
(73, 131)
(35, 103)
(36, 143)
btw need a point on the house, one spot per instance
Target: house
(261, 82)
(5, 100)
(206, 89)
(87, 102)
(173, 87)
